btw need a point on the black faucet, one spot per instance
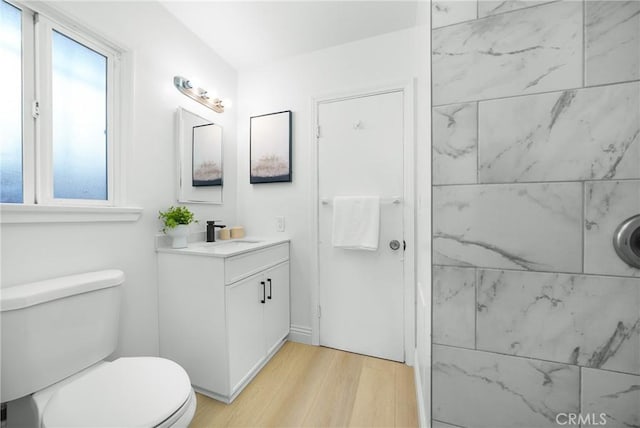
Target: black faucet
(211, 230)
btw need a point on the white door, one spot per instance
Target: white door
(360, 153)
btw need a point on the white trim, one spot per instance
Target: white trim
(44, 145)
(28, 98)
(407, 89)
(409, 220)
(417, 378)
(21, 213)
(300, 334)
(68, 20)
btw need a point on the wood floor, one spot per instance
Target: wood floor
(309, 386)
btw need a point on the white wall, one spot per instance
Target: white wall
(162, 48)
(290, 85)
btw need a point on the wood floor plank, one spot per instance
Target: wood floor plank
(256, 398)
(375, 402)
(406, 406)
(291, 404)
(307, 385)
(333, 404)
(208, 412)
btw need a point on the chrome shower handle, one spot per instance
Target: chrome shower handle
(626, 241)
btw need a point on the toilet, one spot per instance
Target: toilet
(55, 337)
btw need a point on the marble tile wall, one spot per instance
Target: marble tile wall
(584, 320)
(536, 160)
(615, 394)
(455, 144)
(521, 52)
(454, 299)
(514, 226)
(565, 137)
(490, 7)
(612, 33)
(481, 389)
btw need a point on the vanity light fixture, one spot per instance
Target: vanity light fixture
(198, 94)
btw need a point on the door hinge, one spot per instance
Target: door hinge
(317, 131)
(319, 311)
(35, 109)
(404, 245)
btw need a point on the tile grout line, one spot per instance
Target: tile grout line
(445, 422)
(507, 97)
(516, 183)
(545, 272)
(583, 228)
(478, 17)
(584, 43)
(523, 357)
(580, 390)
(475, 309)
(477, 142)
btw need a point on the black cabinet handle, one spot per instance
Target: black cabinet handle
(270, 290)
(264, 292)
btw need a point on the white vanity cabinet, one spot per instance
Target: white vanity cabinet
(258, 319)
(223, 318)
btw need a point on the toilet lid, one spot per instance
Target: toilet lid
(128, 392)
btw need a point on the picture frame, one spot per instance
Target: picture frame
(270, 143)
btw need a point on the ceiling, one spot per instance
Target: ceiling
(250, 33)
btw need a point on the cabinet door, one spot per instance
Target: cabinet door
(245, 326)
(276, 310)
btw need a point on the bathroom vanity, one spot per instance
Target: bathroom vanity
(223, 310)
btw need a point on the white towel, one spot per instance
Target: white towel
(356, 222)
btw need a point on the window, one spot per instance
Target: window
(11, 104)
(58, 143)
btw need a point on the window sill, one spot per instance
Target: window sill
(18, 213)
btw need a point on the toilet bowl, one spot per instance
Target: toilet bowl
(55, 336)
(128, 392)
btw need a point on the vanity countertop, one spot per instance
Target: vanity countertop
(226, 248)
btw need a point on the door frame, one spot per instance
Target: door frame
(407, 88)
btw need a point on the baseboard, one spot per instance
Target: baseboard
(422, 412)
(300, 334)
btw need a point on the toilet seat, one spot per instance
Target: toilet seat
(128, 392)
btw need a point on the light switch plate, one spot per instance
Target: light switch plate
(279, 224)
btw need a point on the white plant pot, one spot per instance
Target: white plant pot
(179, 235)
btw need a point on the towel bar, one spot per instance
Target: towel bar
(393, 200)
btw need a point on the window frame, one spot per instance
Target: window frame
(44, 28)
(38, 23)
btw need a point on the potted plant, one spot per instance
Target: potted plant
(176, 224)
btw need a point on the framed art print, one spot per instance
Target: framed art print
(270, 148)
(207, 155)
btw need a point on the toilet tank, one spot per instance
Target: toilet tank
(54, 328)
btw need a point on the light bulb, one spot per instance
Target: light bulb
(227, 103)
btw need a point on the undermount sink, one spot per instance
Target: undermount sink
(227, 247)
(224, 248)
(235, 242)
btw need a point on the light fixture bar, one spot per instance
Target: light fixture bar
(198, 94)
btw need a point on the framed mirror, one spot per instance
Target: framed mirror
(200, 159)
